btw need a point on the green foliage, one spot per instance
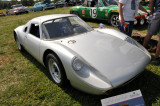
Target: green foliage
(24, 81)
(27, 2)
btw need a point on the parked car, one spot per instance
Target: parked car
(60, 3)
(106, 10)
(141, 18)
(70, 2)
(17, 9)
(42, 6)
(92, 60)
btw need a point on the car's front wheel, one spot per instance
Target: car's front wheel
(56, 70)
(114, 20)
(75, 12)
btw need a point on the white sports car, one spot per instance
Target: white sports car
(92, 60)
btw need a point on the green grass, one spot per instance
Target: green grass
(23, 81)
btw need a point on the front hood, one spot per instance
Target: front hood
(113, 7)
(114, 58)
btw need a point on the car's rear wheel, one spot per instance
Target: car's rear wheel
(56, 70)
(20, 47)
(114, 20)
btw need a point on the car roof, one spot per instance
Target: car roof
(42, 19)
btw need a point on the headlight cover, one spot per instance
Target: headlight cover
(77, 64)
(80, 67)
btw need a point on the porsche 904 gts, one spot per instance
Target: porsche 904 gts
(92, 60)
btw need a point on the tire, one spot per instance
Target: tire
(75, 12)
(56, 70)
(43, 8)
(114, 20)
(141, 21)
(17, 13)
(20, 47)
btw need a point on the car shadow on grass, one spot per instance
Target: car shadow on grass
(147, 82)
(141, 27)
(152, 44)
(35, 62)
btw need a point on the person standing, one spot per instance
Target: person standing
(127, 11)
(154, 26)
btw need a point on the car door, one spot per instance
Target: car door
(101, 13)
(91, 10)
(33, 40)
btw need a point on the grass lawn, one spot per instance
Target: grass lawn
(23, 81)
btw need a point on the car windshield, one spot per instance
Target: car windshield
(64, 27)
(15, 6)
(37, 4)
(110, 2)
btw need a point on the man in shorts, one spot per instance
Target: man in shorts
(127, 11)
(154, 26)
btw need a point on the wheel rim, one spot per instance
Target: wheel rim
(114, 20)
(18, 44)
(142, 21)
(135, 22)
(54, 71)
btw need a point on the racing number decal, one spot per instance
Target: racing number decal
(93, 12)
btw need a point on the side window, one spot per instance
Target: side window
(34, 30)
(99, 5)
(25, 29)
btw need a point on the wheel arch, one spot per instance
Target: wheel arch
(75, 12)
(55, 54)
(15, 34)
(46, 53)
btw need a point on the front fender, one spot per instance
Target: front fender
(112, 32)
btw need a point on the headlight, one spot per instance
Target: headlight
(77, 64)
(131, 41)
(81, 68)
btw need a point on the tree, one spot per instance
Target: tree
(24, 2)
(30, 2)
(13, 2)
(1, 4)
